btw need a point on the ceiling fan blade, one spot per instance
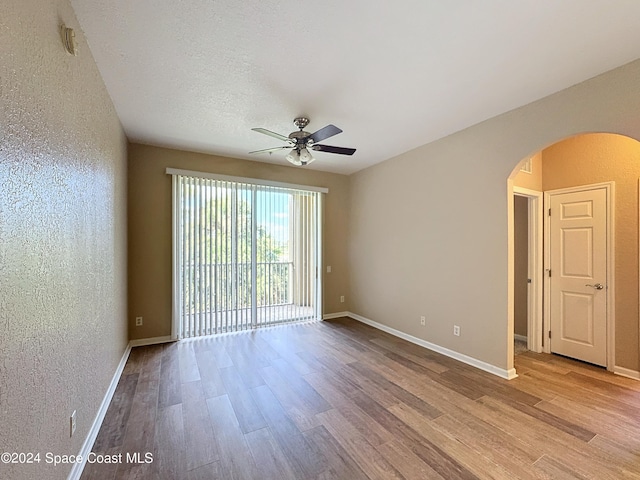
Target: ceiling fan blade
(266, 150)
(323, 133)
(271, 134)
(330, 149)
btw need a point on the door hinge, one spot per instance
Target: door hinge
(549, 273)
(549, 212)
(528, 280)
(549, 333)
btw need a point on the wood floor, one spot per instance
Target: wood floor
(340, 400)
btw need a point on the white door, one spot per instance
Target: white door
(578, 263)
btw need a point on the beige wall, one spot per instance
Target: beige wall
(150, 227)
(521, 264)
(429, 229)
(62, 237)
(533, 180)
(596, 158)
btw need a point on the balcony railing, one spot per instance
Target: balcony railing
(220, 287)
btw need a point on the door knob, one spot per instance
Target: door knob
(597, 286)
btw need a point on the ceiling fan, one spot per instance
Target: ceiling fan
(301, 142)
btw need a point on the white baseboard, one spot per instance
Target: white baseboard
(77, 469)
(151, 341)
(474, 362)
(522, 338)
(329, 316)
(626, 372)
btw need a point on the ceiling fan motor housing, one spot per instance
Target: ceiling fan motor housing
(300, 138)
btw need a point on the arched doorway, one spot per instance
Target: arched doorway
(588, 159)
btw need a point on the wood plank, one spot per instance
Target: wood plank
(135, 361)
(249, 373)
(208, 369)
(286, 351)
(396, 367)
(618, 392)
(245, 351)
(245, 408)
(211, 471)
(406, 462)
(425, 449)
(342, 464)
(326, 361)
(556, 469)
(424, 362)
(170, 390)
(581, 394)
(187, 361)
(367, 426)
(200, 443)
(169, 460)
(101, 471)
(575, 453)
(501, 450)
(524, 384)
(553, 420)
(215, 345)
(293, 401)
(359, 449)
(305, 458)
(472, 456)
(612, 426)
(425, 387)
(354, 384)
(493, 386)
(594, 371)
(269, 456)
(627, 458)
(236, 460)
(399, 393)
(311, 399)
(114, 425)
(141, 428)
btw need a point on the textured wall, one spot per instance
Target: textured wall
(150, 227)
(62, 236)
(596, 158)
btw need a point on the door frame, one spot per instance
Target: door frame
(609, 188)
(535, 262)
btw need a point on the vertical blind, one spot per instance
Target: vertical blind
(245, 255)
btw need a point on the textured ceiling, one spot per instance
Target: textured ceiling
(199, 74)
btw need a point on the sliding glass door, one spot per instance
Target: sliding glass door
(246, 255)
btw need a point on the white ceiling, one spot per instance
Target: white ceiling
(199, 74)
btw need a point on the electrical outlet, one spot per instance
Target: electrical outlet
(328, 268)
(423, 320)
(72, 424)
(138, 321)
(342, 299)
(456, 330)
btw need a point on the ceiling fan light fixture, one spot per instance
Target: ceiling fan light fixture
(305, 157)
(294, 157)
